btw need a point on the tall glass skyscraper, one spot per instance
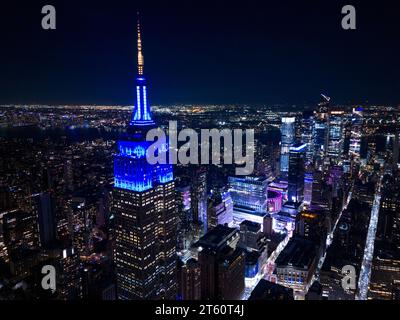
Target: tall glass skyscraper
(287, 140)
(320, 130)
(296, 173)
(335, 135)
(144, 209)
(356, 133)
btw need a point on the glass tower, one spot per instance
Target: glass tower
(287, 140)
(296, 173)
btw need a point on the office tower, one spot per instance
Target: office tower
(385, 278)
(396, 146)
(3, 248)
(104, 206)
(69, 280)
(219, 211)
(98, 282)
(190, 280)
(389, 216)
(308, 184)
(222, 264)
(183, 203)
(356, 133)
(287, 140)
(249, 196)
(307, 124)
(231, 274)
(320, 130)
(20, 230)
(255, 244)
(144, 209)
(296, 173)
(215, 213)
(82, 214)
(68, 176)
(228, 203)
(335, 135)
(320, 191)
(44, 209)
(21, 239)
(251, 236)
(199, 196)
(313, 225)
(268, 226)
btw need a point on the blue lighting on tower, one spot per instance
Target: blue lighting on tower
(142, 114)
(131, 168)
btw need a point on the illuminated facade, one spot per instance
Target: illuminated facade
(296, 173)
(287, 140)
(274, 201)
(356, 133)
(249, 195)
(308, 184)
(144, 209)
(321, 127)
(307, 124)
(335, 135)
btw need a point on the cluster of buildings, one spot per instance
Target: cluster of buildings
(116, 227)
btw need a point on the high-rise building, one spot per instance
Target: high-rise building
(307, 124)
(144, 209)
(356, 133)
(190, 280)
(308, 184)
(220, 210)
(335, 135)
(69, 279)
(287, 140)
(251, 237)
(21, 241)
(20, 230)
(183, 205)
(222, 264)
(199, 197)
(396, 146)
(44, 209)
(321, 127)
(296, 173)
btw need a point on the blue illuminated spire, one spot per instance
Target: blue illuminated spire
(142, 114)
(131, 169)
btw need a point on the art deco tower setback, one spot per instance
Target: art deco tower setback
(144, 209)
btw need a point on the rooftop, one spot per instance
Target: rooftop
(299, 253)
(217, 237)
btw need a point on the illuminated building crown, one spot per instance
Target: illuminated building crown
(142, 114)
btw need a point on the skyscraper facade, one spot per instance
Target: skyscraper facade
(287, 140)
(320, 130)
(296, 173)
(356, 133)
(144, 209)
(335, 135)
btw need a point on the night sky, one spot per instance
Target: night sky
(265, 52)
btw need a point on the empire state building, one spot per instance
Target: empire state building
(144, 208)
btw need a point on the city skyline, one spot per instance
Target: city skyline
(91, 209)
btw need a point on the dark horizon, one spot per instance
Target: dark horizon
(203, 53)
